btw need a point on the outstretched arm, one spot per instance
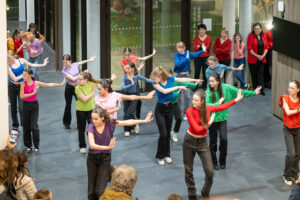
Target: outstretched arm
(136, 97)
(28, 64)
(42, 84)
(132, 122)
(92, 59)
(191, 80)
(149, 56)
(168, 90)
(287, 109)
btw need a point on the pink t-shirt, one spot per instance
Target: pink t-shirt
(109, 102)
(239, 52)
(28, 90)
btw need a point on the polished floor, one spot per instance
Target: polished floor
(256, 153)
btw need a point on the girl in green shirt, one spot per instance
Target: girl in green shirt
(217, 90)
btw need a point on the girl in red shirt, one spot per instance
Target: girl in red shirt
(200, 62)
(19, 43)
(290, 104)
(195, 140)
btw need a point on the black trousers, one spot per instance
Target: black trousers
(69, 93)
(129, 112)
(83, 117)
(257, 74)
(267, 74)
(214, 129)
(15, 102)
(30, 124)
(178, 117)
(191, 146)
(164, 118)
(200, 63)
(97, 169)
(227, 63)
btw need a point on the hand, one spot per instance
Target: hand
(92, 59)
(23, 42)
(154, 51)
(187, 54)
(112, 143)
(150, 95)
(181, 88)
(46, 61)
(142, 64)
(257, 90)
(113, 77)
(203, 47)
(148, 117)
(298, 110)
(63, 82)
(198, 46)
(241, 67)
(239, 96)
(10, 145)
(88, 70)
(212, 118)
(259, 57)
(221, 100)
(222, 73)
(35, 90)
(199, 81)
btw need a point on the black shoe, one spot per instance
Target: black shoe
(216, 166)
(222, 166)
(67, 127)
(262, 93)
(192, 197)
(204, 196)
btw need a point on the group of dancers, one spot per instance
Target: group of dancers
(98, 111)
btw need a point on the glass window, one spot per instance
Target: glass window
(12, 10)
(262, 12)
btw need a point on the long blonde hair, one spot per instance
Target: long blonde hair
(159, 72)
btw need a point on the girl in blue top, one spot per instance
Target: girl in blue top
(15, 68)
(163, 84)
(130, 86)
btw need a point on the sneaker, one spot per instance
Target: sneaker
(83, 150)
(137, 129)
(168, 160)
(161, 162)
(127, 134)
(174, 136)
(185, 117)
(67, 127)
(36, 150)
(288, 181)
(28, 150)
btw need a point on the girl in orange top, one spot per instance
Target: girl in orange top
(290, 104)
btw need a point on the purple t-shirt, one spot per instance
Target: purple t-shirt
(103, 138)
(73, 71)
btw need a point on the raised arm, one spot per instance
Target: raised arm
(149, 56)
(136, 97)
(287, 110)
(92, 59)
(226, 105)
(168, 90)
(42, 84)
(95, 146)
(132, 122)
(22, 95)
(28, 64)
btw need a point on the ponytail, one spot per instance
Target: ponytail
(203, 114)
(30, 72)
(88, 76)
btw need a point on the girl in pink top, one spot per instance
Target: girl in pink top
(239, 59)
(28, 92)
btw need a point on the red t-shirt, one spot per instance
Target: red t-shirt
(19, 43)
(222, 51)
(124, 61)
(206, 42)
(193, 115)
(292, 121)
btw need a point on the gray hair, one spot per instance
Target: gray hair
(124, 179)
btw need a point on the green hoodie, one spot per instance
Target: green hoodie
(229, 92)
(176, 94)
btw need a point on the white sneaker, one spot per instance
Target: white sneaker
(288, 181)
(161, 162)
(174, 136)
(137, 129)
(168, 160)
(185, 117)
(127, 134)
(82, 150)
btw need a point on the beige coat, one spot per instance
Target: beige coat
(26, 189)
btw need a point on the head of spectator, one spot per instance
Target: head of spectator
(257, 29)
(8, 166)
(43, 194)
(224, 33)
(175, 197)
(180, 47)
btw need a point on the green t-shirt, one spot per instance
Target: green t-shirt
(176, 94)
(229, 92)
(86, 90)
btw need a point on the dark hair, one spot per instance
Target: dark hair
(238, 34)
(219, 90)
(30, 72)
(297, 83)
(88, 76)
(257, 24)
(36, 34)
(132, 65)
(16, 32)
(42, 194)
(203, 26)
(22, 169)
(67, 57)
(32, 25)
(106, 84)
(102, 113)
(203, 116)
(127, 49)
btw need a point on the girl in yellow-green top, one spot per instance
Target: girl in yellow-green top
(85, 91)
(216, 91)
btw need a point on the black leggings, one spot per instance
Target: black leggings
(83, 117)
(178, 117)
(30, 124)
(69, 93)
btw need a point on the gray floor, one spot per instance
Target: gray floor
(255, 154)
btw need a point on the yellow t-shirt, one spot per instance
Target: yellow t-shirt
(10, 44)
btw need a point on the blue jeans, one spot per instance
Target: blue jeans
(239, 74)
(35, 60)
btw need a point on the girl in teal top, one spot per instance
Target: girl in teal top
(216, 91)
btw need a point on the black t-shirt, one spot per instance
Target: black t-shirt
(260, 45)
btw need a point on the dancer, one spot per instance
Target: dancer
(290, 104)
(15, 68)
(130, 86)
(201, 61)
(35, 50)
(195, 141)
(100, 136)
(28, 93)
(163, 84)
(182, 61)
(216, 91)
(71, 72)
(257, 46)
(239, 59)
(216, 67)
(222, 49)
(18, 43)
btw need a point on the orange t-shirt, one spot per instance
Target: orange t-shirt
(124, 61)
(292, 121)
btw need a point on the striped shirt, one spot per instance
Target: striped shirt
(109, 102)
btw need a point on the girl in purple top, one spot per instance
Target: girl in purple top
(35, 50)
(71, 72)
(101, 141)
(28, 93)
